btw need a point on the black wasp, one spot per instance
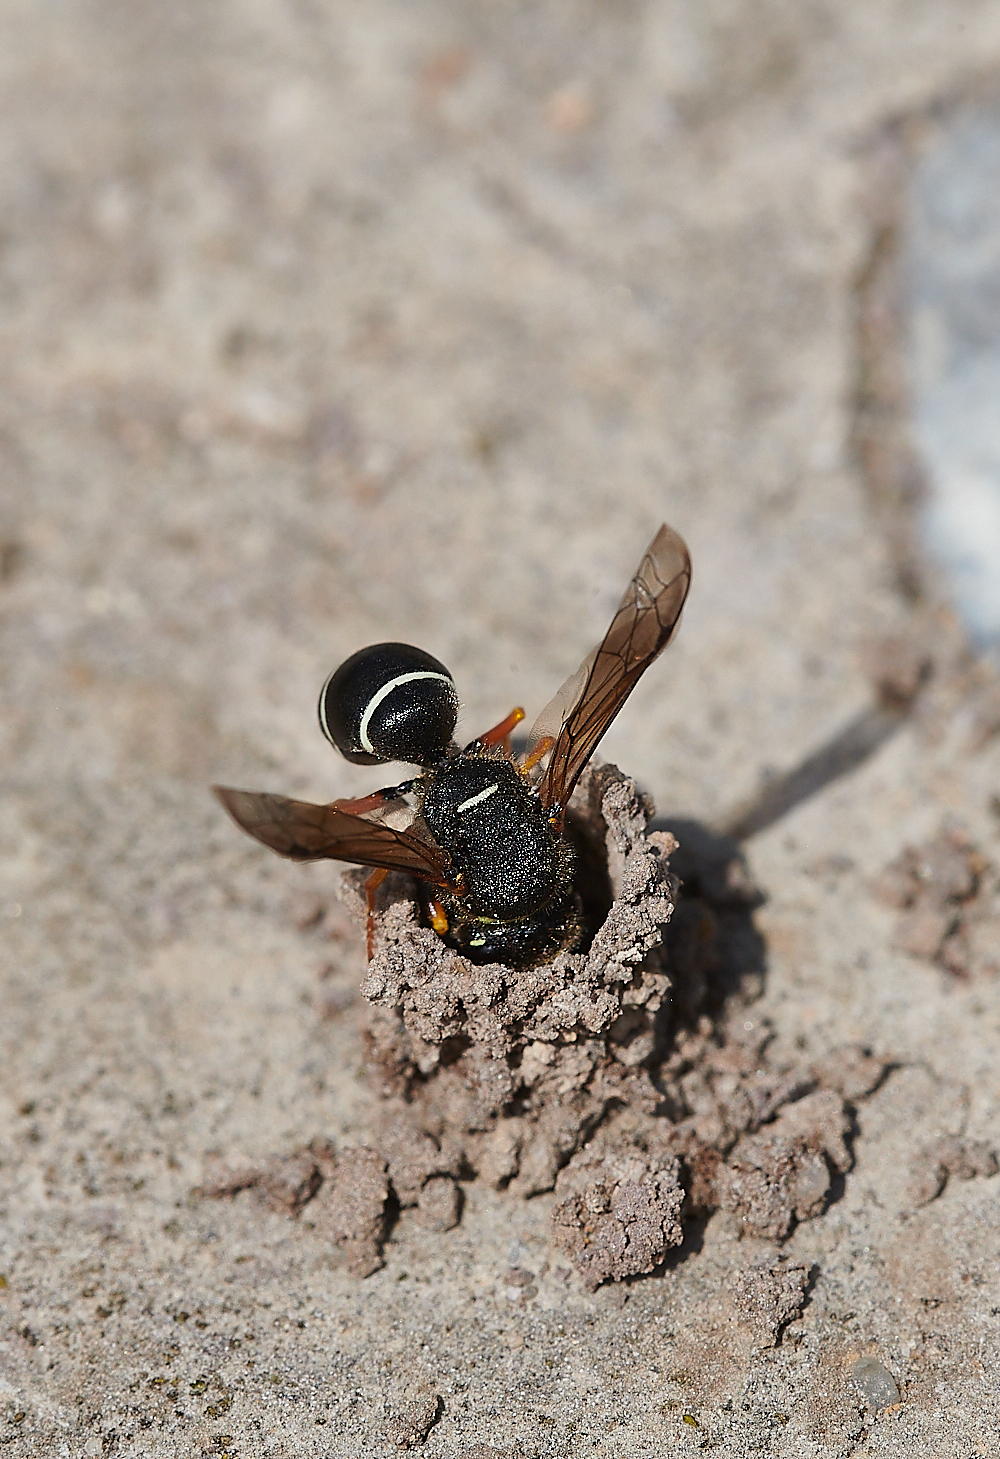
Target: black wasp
(483, 832)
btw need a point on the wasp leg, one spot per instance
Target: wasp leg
(371, 887)
(542, 748)
(376, 799)
(500, 733)
(438, 916)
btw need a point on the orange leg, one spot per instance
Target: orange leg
(438, 916)
(542, 748)
(373, 801)
(500, 733)
(371, 887)
(358, 807)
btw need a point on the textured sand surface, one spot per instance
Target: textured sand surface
(326, 323)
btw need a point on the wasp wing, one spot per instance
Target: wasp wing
(586, 704)
(305, 832)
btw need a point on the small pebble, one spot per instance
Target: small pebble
(411, 1428)
(876, 1382)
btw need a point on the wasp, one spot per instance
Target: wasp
(481, 831)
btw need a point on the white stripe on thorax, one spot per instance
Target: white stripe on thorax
(376, 700)
(475, 799)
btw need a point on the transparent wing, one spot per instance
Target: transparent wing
(306, 832)
(643, 625)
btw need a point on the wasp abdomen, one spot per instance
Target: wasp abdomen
(390, 701)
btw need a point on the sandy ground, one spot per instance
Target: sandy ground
(326, 323)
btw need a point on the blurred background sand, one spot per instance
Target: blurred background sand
(325, 323)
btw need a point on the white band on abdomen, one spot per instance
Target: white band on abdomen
(376, 700)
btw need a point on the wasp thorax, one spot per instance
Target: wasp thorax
(390, 702)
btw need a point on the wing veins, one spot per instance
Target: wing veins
(641, 628)
(306, 832)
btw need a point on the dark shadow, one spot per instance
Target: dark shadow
(808, 1291)
(842, 753)
(591, 877)
(713, 948)
(392, 1212)
(694, 1239)
(838, 1179)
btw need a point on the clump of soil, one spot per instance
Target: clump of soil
(627, 1076)
(768, 1296)
(620, 1214)
(517, 1068)
(348, 1194)
(948, 1157)
(947, 893)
